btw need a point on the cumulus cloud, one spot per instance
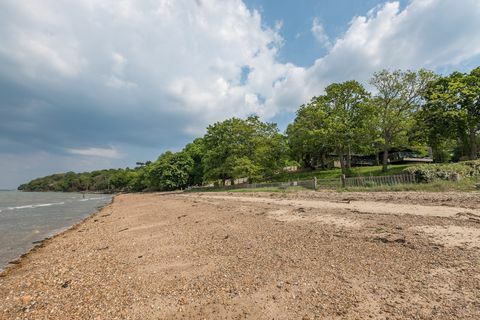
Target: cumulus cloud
(78, 77)
(426, 34)
(320, 34)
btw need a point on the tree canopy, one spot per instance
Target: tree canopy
(399, 95)
(452, 112)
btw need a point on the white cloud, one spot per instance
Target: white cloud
(162, 70)
(108, 153)
(182, 56)
(426, 34)
(186, 58)
(320, 34)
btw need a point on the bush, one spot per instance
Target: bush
(433, 172)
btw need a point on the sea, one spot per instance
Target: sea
(29, 217)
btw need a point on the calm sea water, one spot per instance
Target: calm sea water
(26, 217)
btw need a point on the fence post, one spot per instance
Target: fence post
(343, 181)
(315, 183)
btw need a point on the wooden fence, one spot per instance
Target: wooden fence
(319, 184)
(366, 181)
(308, 184)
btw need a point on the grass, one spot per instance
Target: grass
(336, 173)
(464, 185)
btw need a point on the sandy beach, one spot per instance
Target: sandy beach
(299, 255)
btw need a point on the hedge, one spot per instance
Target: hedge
(432, 172)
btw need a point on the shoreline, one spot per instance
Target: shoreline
(54, 234)
(217, 256)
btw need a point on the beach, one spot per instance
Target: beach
(303, 255)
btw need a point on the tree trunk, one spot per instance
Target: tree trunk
(307, 159)
(377, 157)
(342, 162)
(473, 144)
(385, 159)
(349, 158)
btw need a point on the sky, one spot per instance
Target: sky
(88, 84)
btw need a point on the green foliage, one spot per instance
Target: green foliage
(339, 121)
(228, 141)
(399, 96)
(111, 180)
(452, 113)
(171, 171)
(429, 173)
(195, 150)
(244, 167)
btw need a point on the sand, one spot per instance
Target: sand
(258, 256)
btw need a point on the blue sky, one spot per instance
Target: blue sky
(297, 17)
(87, 85)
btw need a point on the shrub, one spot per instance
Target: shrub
(432, 172)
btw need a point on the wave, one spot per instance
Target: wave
(33, 206)
(95, 198)
(39, 205)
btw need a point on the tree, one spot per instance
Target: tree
(171, 171)
(337, 121)
(196, 150)
(305, 137)
(348, 114)
(452, 111)
(399, 95)
(270, 151)
(234, 138)
(246, 168)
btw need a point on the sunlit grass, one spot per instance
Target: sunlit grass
(464, 185)
(336, 173)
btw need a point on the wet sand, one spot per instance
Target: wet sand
(258, 256)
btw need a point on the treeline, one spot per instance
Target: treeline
(405, 109)
(230, 149)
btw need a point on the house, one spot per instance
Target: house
(395, 156)
(408, 156)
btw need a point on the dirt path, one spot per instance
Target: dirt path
(218, 256)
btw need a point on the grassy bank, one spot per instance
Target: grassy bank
(336, 173)
(465, 185)
(431, 178)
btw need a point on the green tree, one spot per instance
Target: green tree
(171, 171)
(234, 138)
(452, 111)
(305, 137)
(399, 95)
(246, 168)
(196, 150)
(337, 121)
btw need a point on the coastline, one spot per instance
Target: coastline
(262, 256)
(50, 237)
